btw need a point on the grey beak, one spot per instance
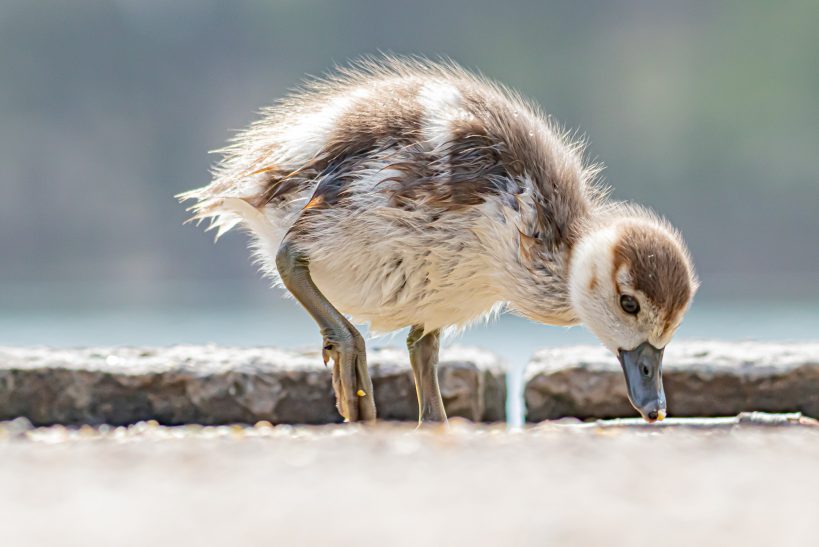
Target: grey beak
(642, 367)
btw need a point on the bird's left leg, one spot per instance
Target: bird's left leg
(342, 342)
(423, 350)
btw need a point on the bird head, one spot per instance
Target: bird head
(631, 282)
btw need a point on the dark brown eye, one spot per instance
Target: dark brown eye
(629, 304)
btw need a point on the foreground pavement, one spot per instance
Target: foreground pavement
(688, 482)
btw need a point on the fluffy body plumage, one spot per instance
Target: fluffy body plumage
(425, 195)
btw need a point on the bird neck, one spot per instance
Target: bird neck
(549, 285)
(539, 289)
(544, 284)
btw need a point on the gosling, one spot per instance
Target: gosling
(409, 193)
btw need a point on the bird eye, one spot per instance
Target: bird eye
(629, 304)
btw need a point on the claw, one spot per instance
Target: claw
(325, 356)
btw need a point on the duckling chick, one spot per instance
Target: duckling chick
(407, 193)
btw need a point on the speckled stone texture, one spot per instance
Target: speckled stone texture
(701, 379)
(217, 385)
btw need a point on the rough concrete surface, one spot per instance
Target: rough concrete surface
(218, 385)
(717, 482)
(701, 379)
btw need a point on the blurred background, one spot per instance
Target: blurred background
(707, 111)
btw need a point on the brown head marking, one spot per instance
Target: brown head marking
(659, 268)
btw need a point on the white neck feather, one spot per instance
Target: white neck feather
(591, 263)
(593, 288)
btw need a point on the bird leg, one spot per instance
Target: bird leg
(423, 350)
(341, 341)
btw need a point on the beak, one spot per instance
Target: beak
(642, 367)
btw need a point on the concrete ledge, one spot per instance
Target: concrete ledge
(215, 385)
(471, 485)
(701, 379)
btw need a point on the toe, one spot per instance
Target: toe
(344, 384)
(364, 393)
(351, 379)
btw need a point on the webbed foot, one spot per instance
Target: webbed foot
(351, 379)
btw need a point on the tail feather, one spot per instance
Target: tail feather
(225, 212)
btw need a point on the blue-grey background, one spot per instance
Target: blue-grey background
(707, 111)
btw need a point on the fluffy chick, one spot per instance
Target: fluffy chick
(402, 192)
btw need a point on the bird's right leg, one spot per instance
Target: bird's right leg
(341, 341)
(423, 350)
